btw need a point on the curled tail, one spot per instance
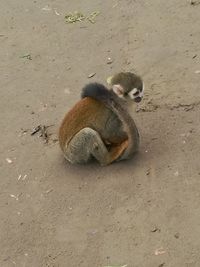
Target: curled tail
(113, 102)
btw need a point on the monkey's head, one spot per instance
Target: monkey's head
(127, 85)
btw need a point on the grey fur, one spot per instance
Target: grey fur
(117, 105)
(86, 144)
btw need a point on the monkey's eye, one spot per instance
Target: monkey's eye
(136, 93)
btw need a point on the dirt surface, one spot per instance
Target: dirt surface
(141, 213)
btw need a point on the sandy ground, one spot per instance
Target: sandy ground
(140, 213)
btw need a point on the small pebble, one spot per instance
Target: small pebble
(176, 173)
(13, 196)
(67, 91)
(9, 160)
(148, 172)
(177, 235)
(155, 229)
(109, 60)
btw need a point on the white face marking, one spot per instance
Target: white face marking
(142, 92)
(143, 86)
(132, 92)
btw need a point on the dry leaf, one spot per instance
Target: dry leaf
(159, 251)
(91, 75)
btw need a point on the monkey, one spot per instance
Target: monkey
(99, 125)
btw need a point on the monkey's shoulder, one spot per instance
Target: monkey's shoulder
(88, 107)
(87, 112)
(97, 91)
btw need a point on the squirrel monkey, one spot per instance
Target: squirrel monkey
(99, 125)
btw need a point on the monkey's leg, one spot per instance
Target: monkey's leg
(86, 144)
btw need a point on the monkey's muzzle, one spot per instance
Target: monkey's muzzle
(138, 99)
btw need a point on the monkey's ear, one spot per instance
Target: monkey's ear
(109, 80)
(118, 89)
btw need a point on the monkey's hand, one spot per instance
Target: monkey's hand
(117, 150)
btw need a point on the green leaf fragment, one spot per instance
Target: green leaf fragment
(78, 17)
(109, 80)
(92, 16)
(27, 56)
(74, 17)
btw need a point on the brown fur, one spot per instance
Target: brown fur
(91, 113)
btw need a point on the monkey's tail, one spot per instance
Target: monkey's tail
(112, 101)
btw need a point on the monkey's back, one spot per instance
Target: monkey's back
(91, 113)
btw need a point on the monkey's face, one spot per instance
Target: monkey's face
(128, 86)
(136, 94)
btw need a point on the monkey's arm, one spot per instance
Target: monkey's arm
(116, 139)
(113, 132)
